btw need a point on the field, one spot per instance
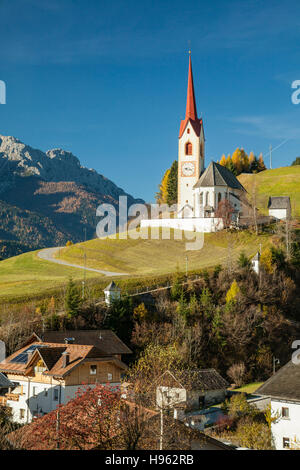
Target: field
(250, 388)
(28, 275)
(283, 181)
(151, 257)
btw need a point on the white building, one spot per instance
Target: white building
(280, 207)
(203, 195)
(112, 293)
(284, 390)
(255, 263)
(46, 374)
(190, 390)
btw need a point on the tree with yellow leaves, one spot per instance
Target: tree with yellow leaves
(161, 196)
(223, 160)
(232, 292)
(266, 260)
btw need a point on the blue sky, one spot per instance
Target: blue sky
(107, 80)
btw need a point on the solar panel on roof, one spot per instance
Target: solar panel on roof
(23, 357)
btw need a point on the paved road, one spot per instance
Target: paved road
(48, 255)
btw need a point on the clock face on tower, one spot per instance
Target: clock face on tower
(188, 169)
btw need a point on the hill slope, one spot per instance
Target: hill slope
(162, 256)
(48, 198)
(283, 181)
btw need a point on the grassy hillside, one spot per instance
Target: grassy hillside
(279, 182)
(161, 256)
(27, 275)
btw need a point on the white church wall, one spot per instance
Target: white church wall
(196, 224)
(186, 183)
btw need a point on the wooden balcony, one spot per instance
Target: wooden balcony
(3, 401)
(12, 396)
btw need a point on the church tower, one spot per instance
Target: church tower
(190, 152)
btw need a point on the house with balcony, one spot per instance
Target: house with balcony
(49, 368)
(283, 389)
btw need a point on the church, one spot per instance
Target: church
(201, 192)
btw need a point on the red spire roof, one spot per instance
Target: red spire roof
(191, 110)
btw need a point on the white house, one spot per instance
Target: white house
(190, 390)
(255, 263)
(112, 293)
(280, 207)
(283, 388)
(46, 374)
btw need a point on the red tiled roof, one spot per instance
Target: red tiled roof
(54, 361)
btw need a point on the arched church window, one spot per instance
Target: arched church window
(188, 131)
(219, 198)
(206, 199)
(188, 148)
(201, 198)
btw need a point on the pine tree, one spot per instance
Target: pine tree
(171, 197)
(245, 161)
(254, 165)
(72, 299)
(261, 164)
(243, 260)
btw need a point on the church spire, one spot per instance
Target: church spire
(191, 110)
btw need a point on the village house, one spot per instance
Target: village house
(190, 390)
(283, 388)
(48, 369)
(280, 207)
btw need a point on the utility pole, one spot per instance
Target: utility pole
(84, 274)
(270, 157)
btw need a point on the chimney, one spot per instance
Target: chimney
(65, 359)
(29, 354)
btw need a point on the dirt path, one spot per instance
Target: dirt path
(48, 255)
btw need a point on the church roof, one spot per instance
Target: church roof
(191, 109)
(218, 175)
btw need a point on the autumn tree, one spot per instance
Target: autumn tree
(161, 196)
(232, 293)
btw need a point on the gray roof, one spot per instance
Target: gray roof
(104, 340)
(281, 202)
(256, 257)
(4, 382)
(112, 286)
(198, 379)
(285, 384)
(218, 175)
